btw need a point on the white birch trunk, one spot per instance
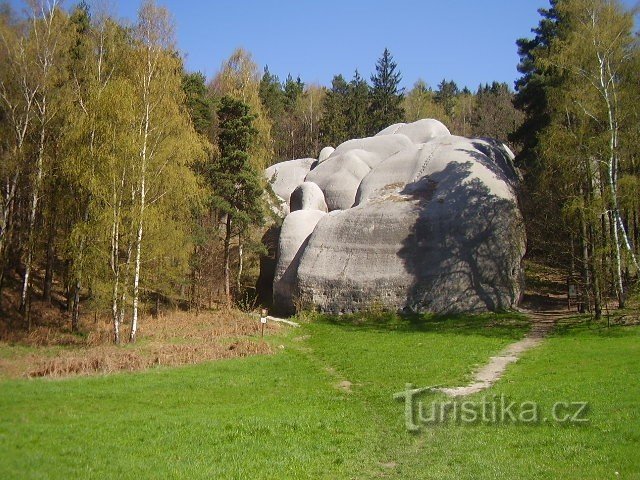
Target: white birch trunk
(33, 210)
(240, 262)
(7, 213)
(143, 167)
(607, 82)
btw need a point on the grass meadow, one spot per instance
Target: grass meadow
(321, 406)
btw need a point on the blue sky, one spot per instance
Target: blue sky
(468, 41)
(464, 40)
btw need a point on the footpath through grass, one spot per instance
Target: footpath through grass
(322, 407)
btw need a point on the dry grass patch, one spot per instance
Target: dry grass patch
(176, 338)
(111, 359)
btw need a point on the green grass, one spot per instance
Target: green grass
(283, 416)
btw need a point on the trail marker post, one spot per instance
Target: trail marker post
(263, 321)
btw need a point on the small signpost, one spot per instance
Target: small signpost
(263, 321)
(573, 293)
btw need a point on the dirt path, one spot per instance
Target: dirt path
(543, 322)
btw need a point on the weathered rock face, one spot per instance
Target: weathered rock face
(419, 220)
(284, 177)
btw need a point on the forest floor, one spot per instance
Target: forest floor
(322, 405)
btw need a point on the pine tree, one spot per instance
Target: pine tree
(239, 78)
(271, 94)
(446, 96)
(198, 102)
(293, 90)
(531, 88)
(272, 99)
(357, 104)
(385, 107)
(235, 182)
(291, 121)
(333, 124)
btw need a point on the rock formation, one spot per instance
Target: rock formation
(418, 220)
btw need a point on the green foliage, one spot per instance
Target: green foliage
(531, 87)
(239, 78)
(333, 124)
(293, 90)
(294, 110)
(578, 93)
(271, 94)
(236, 184)
(358, 105)
(198, 102)
(385, 106)
(493, 114)
(446, 95)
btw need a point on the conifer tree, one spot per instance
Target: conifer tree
(446, 96)
(198, 102)
(357, 105)
(333, 124)
(239, 78)
(385, 107)
(235, 182)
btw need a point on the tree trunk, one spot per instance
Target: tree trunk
(75, 314)
(69, 297)
(240, 263)
(51, 255)
(157, 308)
(136, 283)
(227, 254)
(6, 222)
(125, 283)
(618, 261)
(609, 94)
(585, 261)
(636, 232)
(115, 317)
(143, 197)
(597, 294)
(114, 260)
(37, 184)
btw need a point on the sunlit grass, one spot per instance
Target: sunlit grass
(286, 415)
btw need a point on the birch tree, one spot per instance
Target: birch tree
(43, 55)
(17, 93)
(593, 54)
(167, 142)
(100, 148)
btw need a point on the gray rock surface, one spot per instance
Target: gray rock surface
(284, 177)
(420, 220)
(295, 232)
(307, 196)
(325, 153)
(418, 132)
(340, 175)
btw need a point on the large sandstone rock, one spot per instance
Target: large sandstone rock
(284, 177)
(307, 196)
(420, 220)
(294, 236)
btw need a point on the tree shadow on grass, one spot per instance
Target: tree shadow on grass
(495, 325)
(584, 325)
